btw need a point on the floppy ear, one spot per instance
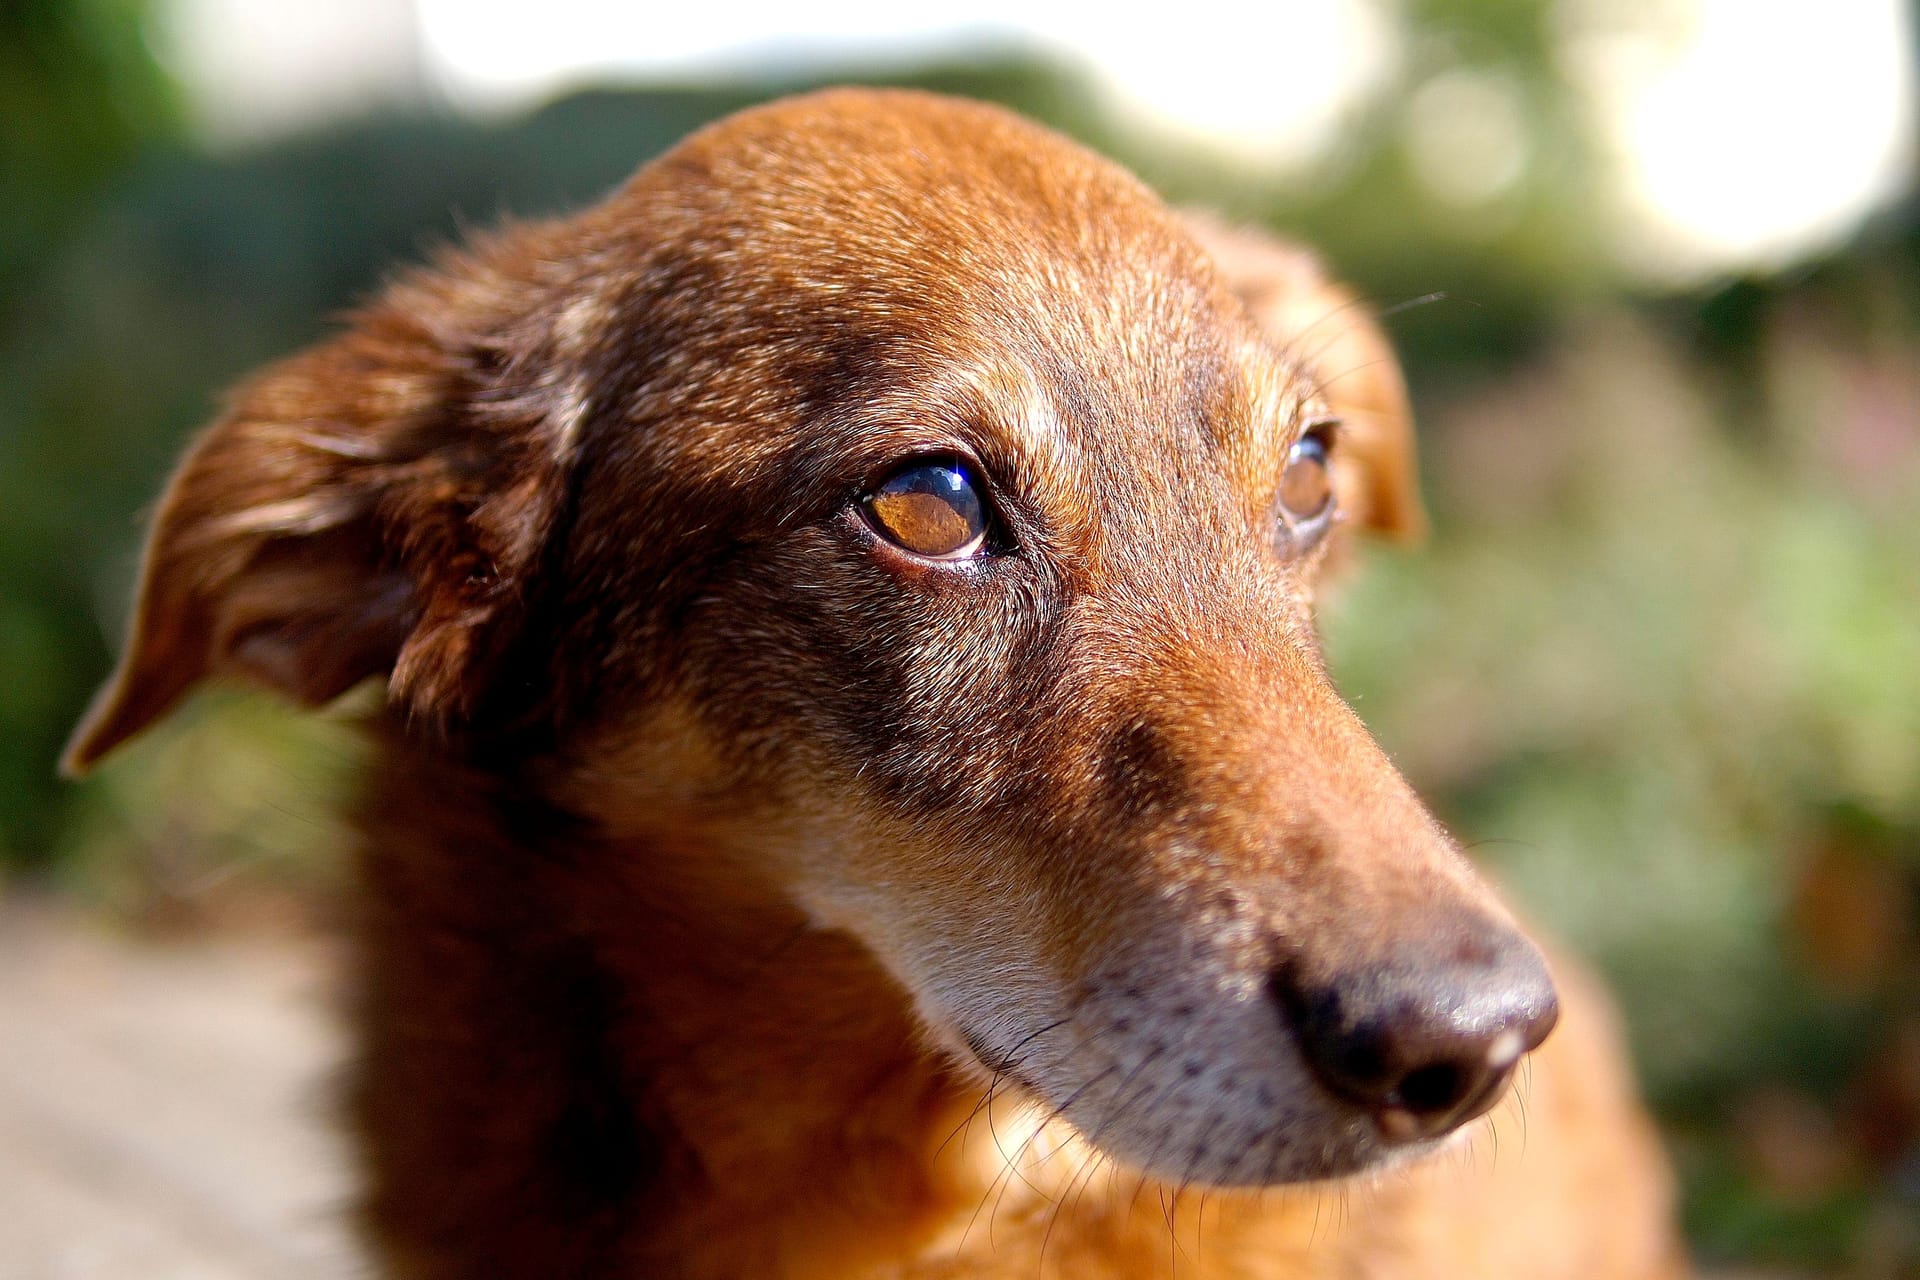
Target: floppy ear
(368, 507)
(1331, 332)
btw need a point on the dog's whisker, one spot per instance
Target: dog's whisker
(1424, 300)
(1010, 1162)
(964, 1129)
(1323, 386)
(1520, 1091)
(1090, 1160)
(1092, 1139)
(1346, 309)
(1004, 1063)
(1060, 1112)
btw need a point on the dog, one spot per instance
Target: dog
(858, 793)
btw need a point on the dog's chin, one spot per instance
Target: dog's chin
(1190, 1136)
(1187, 1146)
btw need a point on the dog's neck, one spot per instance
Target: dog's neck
(700, 1072)
(779, 1062)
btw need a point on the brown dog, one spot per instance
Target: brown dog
(858, 794)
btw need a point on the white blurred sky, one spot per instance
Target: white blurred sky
(1746, 133)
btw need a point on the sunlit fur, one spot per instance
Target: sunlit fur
(746, 896)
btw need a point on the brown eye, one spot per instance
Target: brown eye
(932, 509)
(1306, 487)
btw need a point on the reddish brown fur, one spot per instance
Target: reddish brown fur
(722, 857)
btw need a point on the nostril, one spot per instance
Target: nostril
(1423, 1049)
(1419, 1077)
(1433, 1090)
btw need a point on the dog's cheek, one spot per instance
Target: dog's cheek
(818, 659)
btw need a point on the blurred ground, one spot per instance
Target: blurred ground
(163, 1106)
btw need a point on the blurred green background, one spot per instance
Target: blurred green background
(1659, 662)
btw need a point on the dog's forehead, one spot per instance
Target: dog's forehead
(887, 171)
(930, 211)
(899, 244)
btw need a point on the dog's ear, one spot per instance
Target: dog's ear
(1330, 332)
(368, 507)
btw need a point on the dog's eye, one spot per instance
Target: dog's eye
(1306, 486)
(931, 508)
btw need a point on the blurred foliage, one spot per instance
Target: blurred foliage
(1661, 658)
(80, 95)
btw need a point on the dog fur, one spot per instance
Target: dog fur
(747, 895)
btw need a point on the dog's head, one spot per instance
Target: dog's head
(898, 505)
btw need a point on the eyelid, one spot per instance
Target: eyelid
(1328, 428)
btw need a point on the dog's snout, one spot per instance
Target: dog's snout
(1423, 1043)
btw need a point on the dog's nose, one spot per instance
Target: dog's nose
(1424, 1042)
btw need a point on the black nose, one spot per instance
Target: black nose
(1428, 1040)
